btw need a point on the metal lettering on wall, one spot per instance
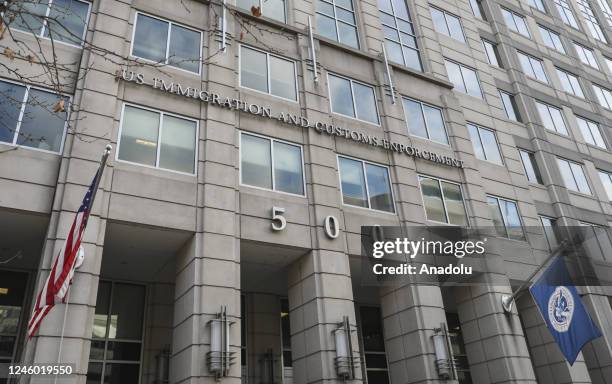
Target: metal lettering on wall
(287, 118)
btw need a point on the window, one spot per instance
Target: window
(165, 42)
(267, 73)
(116, 346)
(565, 11)
(532, 67)
(549, 226)
(608, 63)
(590, 131)
(530, 166)
(606, 180)
(336, 21)
(570, 83)
(477, 9)
(606, 10)
(506, 218)
(29, 118)
(60, 20)
(271, 164)
(515, 22)
(485, 143)
(157, 139)
(463, 78)
(447, 24)
(12, 311)
(286, 333)
(586, 55)
(537, 4)
(365, 184)
(591, 21)
(552, 118)
(551, 39)
(372, 337)
(353, 99)
(573, 176)
(400, 39)
(443, 201)
(604, 96)
(510, 106)
(274, 9)
(424, 120)
(492, 53)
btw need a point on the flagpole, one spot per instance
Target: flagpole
(507, 301)
(100, 172)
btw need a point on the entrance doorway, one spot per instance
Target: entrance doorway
(13, 287)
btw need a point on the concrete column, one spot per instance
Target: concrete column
(410, 313)
(494, 341)
(320, 295)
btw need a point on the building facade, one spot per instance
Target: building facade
(242, 171)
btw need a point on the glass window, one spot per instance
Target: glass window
(443, 201)
(590, 131)
(537, 4)
(164, 42)
(492, 53)
(586, 55)
(606, 180)
(532, 67)
(463, 78)
(565, 11)
(285, 333)
(608, 63)
(591, 21)
(12, 294)
(365, 185)
(267, 73)
(271, 164)
(549, 225)
(509, 106)
(372, 337)
(552, 118)
(551, 39)
(424, 121)
(573, 176)
(530, 166)
(115, 354)
(352, 99)
(400, 39)
(485, 143)
(570, 83)
(506, 218)
(274, 9)
(604, 96)
(60, 20)
(157, 139)
(31, 117)
(336, 21)
(447, 24)
(515, 22)
(606, 10)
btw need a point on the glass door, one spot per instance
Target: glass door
(12, 294)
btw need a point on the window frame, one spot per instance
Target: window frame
(261, 7)
(421, 103)
(534, 166)
(597, 126)
(566, 7)
(496, 55)
(440, 180)
(367, 188)
(24, 103)
(569, 76)
(549, 31)
(499, 151)
(481, 96)
(592, 22)
(597, 87)
(505, 219)
(159, 136)
(530, 58)
(351, 81)
(336, 20)
(41, 34)
(401, 42)
(577, 190)
(168, 36)
(446, 14)
(548, 106)
(581, 48)
(536, 6)
(607, 174)
(553, 228)
(512, 104)
(268, 54)
(516, 14)
(271, 140)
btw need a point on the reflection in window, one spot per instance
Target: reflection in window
(157, 139)
(365, 185)
(443, 201)
(271, 164)
(400, 39)
(38, 125)
(164, 42)
(336, 21)
(353, 99)
(506, 218)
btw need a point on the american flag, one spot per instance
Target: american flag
(57, 284)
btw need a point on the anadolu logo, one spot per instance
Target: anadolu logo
(561, 309)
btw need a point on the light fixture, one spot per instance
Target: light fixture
(345, 361)
(443, 352)
(219, 357)
(4, 291)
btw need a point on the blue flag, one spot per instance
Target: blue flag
(563, 311)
